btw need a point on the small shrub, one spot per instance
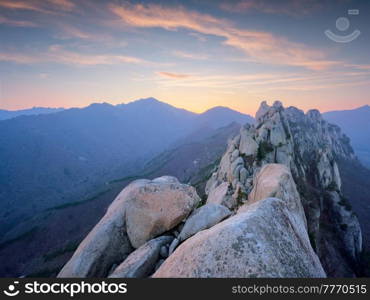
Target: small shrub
(332, 187)
(344, 202)
(263, 149)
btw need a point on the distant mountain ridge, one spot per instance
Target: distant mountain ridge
(50, 159)
(9, 114)
(224, 114)
(356, 124)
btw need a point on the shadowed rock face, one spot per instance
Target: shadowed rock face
(262, 241)
(203, 218)
(141, 263)
(309, 147)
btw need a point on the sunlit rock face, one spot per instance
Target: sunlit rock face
(158, 206)
(309, 147)
(264, 240)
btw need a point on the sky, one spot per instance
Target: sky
(193, 54)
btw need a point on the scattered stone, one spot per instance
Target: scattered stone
(164, 252)
(141, 262)
(173, 246)
(203, 218)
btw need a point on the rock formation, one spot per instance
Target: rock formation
(274, 209)
(262, 241)
(308, 146)
(165, 202)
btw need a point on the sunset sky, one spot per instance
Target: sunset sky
(193, 54)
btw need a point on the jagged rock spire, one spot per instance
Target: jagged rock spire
(308, 146)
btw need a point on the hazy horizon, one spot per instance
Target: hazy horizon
(207, 109)
(192, 55)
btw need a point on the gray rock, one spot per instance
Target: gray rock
(219, 195)
(164, 252)
(159, 263)
(243, 175)
(248, 146)
(235, 155)
(141, 262)
(263, 241)
(173, 246)
(202, 218)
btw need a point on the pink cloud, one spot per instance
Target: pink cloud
(188, 55)
(173, 75)
(259, 46)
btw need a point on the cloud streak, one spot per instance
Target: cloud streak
(16, 23)
(262, 47)
(188, 55)
(57, 54)
(174, 75)
(308, 81)
(288, 7)
(46, 6)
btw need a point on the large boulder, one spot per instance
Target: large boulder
(248, 146)
(157, 206)
(143, 210)
(203, 218)
(262, 241)
(276, 181)
(220, 195)
(141, 262)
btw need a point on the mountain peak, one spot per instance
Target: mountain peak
(218, 108)
(365, 107)
(148, 100)
(308, 147)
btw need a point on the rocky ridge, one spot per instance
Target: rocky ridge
(274, 209)
(309, 147)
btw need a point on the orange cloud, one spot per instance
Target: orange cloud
(173, 75)
(259, 46)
